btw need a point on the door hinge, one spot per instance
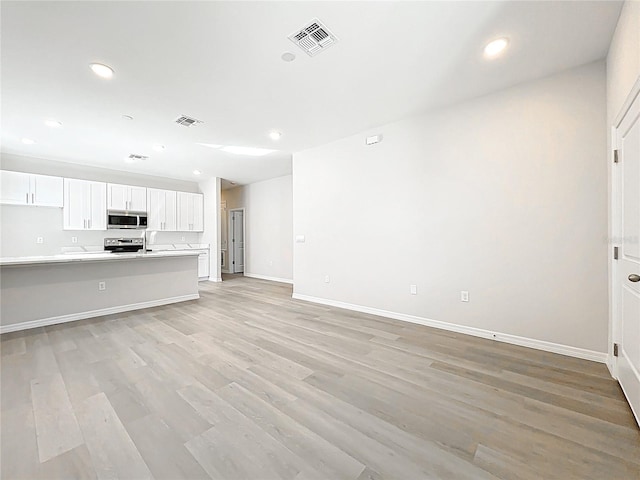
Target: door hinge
(615, 156)
(615, 253)
(615, 349)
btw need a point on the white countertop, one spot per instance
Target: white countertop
(93, 257)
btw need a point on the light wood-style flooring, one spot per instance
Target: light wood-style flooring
(247, 383)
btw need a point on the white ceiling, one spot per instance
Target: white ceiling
(220, 62)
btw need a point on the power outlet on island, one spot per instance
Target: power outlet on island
(39, 240)
(464, 296)
(413, 289)
(102, 286)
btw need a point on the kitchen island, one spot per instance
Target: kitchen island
(45, 290)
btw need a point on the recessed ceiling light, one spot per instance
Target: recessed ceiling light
(210, 145)
(275, 135)
(288, 57)
(197, 172)
(53, 123)
(158, 148)
(251, 151)
(101, 70)
(494, 48)
(28, 141)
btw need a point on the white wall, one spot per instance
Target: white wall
(269, 223)
(21, 225)
(623, 70)
(623, 60)
(504, 196)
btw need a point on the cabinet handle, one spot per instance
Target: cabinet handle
(84, 223)
(27, 198)
(33, 198)
(89, 223)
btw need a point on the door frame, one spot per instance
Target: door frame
(230, 250)
(616, 231)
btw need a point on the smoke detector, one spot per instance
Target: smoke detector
(313, 38)
(187, 121)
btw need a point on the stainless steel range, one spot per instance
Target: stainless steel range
(120, 245)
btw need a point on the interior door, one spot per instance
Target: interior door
(237, 241)
(627, 267)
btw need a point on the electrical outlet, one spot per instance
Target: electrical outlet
(464, 296)
(102, 286)
(327, 279)
(183, 239)
(413, 289)
(74, 239)
(39, 240)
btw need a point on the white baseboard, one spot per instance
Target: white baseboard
(94, 313)
(214, 279)
(567, 350)
(272, 279)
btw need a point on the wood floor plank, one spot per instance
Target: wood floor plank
(113, 453)
(57, 428)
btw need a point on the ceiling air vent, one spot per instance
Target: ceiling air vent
(313, 38)
(187, 121)
(134, 158)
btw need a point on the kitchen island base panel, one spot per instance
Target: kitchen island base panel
(36, 295)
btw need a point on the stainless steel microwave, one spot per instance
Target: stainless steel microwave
(126, 219)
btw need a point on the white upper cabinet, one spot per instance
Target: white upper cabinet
(17, 188)
(190, 212)
(126, 197)
(85, 205)
(162, 209)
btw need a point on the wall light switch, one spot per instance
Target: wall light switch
(300, 239)
(327, 279)
(464, 296)
(74, 239)
(413, 289)
(39, 240)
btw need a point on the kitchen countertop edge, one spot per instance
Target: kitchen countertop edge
(94, 257)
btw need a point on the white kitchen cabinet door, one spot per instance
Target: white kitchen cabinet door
(156, 209)
(184, 209)
(117, 197)
(14, 187)
(190, 212)
(138, 199)
(97, 209)
(161, 205)
(203, 265)
(197, 223)
(170, 211)
(74, 210)
(85, 205)
(46, 191)
(126, 197)
(18, 188)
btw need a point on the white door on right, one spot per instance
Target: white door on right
(627, 268)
